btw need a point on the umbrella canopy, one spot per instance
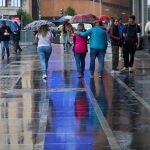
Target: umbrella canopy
(13, 26)
(35, 25)
(104, 18)
(83, 18)
(63, 18)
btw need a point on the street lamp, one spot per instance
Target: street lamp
(100, 2)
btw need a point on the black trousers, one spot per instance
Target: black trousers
(128, 53)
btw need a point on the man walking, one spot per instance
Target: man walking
(5, 33)
(132, 35)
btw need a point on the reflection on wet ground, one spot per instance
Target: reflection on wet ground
(67, 113)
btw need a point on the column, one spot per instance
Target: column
(144, 15)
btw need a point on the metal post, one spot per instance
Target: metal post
(100, 2)
(144, 14)
(39, 4)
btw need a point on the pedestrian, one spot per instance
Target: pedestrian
(5, 33)
(16, 39)
(132, 34)
(98, 46)
(44, 38)
(80, 49)
(147, 31)
(109, 24)
(115, 39)
(66, 33)
(121, 30)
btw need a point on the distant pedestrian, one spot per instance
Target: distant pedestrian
(147, 30)
(80, 49)
(66, 34)
(132, 34)
(121, 30)
(98, 46)
(115, 39)
(5, 33)
(44, 38)
(16, 39)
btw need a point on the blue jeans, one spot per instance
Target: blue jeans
(80, 62)
(100, 54)
(5, 45)
(44, 53)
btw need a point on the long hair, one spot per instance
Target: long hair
(43, 30)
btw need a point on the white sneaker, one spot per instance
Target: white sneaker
(117, 71)
(124, 69)
(130, 69)
(113, 71)
(44, 76)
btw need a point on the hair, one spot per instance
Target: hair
(43, 30)
(132, 17)
(80, 27)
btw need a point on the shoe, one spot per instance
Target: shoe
(115, 71)
(124, 69)
(44, 76)
(100, 76)
(91, 75)
(130, 69)
(80, 75)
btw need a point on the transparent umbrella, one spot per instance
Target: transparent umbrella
(35, 25)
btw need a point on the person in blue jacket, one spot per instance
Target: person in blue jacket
(98, 46)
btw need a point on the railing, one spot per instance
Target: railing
(26, 36)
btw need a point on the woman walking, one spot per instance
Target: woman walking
(115, 38)
(44, 38)
(80, 49)
(66, 33)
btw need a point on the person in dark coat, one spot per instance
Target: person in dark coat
(5, 33)
(16, 39)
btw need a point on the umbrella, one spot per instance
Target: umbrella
(13, 26)
(63, 18)
(83, 18)
(104, 18)
(35, 25)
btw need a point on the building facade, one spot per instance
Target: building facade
(118, 8)
(10, 7)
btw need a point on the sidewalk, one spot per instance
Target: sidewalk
(66, 113)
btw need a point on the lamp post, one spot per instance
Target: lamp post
(39, 5)
(100, 3)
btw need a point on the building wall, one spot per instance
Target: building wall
(9, 10)
(116, 7)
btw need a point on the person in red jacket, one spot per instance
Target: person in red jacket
(80, 49)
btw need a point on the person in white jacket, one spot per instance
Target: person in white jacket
(147, 29)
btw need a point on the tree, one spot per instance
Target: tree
(26, 18)
(70, 11)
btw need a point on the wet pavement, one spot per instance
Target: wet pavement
(67, 113)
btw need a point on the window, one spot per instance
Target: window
(16, 3)
(3, 3)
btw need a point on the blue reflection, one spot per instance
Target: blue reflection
(100, 97)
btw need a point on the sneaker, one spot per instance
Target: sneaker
(91, 75)
(124, 69)
(44, 76)
(80, 75)
(130, 69)
(100, 76)
(115, 71)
